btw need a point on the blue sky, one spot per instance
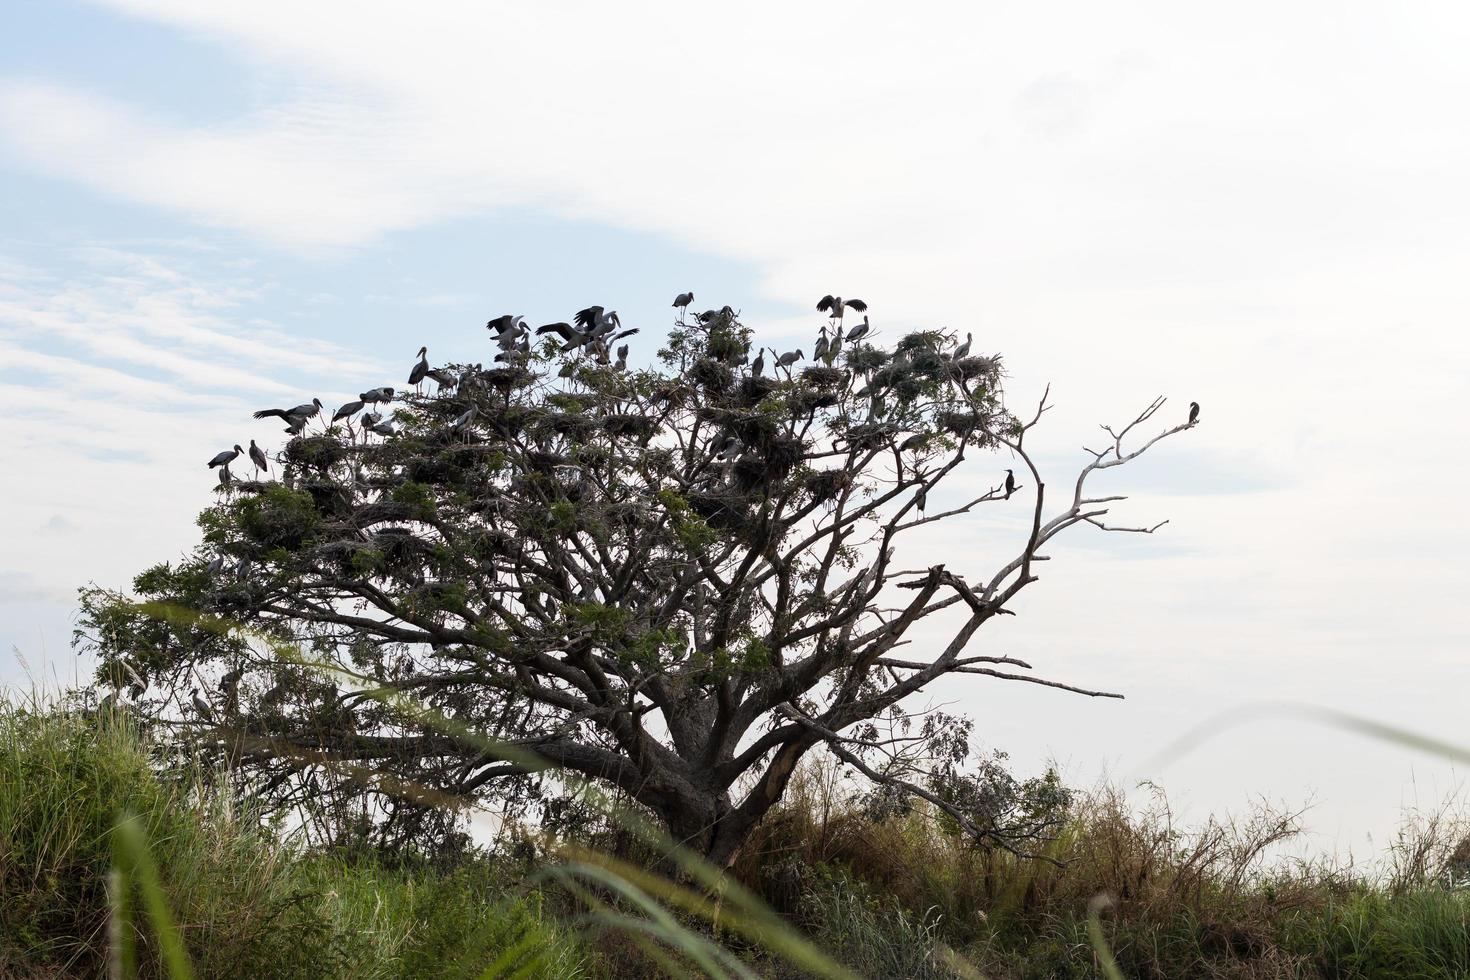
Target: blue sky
(207, 208)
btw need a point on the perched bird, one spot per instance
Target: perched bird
(915, 441)
(348, 410)
(1193, 412)
(921, 498)
(416, 376)
(214, 567)
(788, 359)
(834, 348)
(242, 570)
(303, 412)
(860, 331)
(681, 303)
(571, 336)
(833, 305)
(294, 425)
(442, 378)
(963, 350)
(1010, 483)
(257, 456)
(226, 458)
(759, 364)
(819, 352)
(710, 316)
(731, 448)
(621, 364)
(383, 428)
(375, 395)
(370, 419)
(201, 705)
(464, 419)
(507, 328)
(225, 477)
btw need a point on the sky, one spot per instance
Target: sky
(210, 208)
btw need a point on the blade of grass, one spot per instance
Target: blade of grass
(138, 860)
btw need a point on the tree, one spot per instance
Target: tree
(675, 581)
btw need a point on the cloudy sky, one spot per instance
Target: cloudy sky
(205, 208)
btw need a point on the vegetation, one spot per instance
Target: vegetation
(889, 894)
(677, 582)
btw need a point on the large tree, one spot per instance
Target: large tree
(676, 581)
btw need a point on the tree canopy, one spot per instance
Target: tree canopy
(674, 580)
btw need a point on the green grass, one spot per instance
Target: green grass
(114, 862)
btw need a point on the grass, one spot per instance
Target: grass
(116, 862)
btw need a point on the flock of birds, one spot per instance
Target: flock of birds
(592, 330)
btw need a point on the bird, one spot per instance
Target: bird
(788, 359)
(201, 705)
(921, 498)
(622, 362)
(1193, 412)
(226, 458)
(464, 419)
(214, 567)
(731, 448)
(860, 331)
(963, 350)
(257, 456)
(416, 376)
(382, 427)
(819, 352)
(681, 303)
(572, 336)
(913, 442)
(832, 305)
(1010, 483)
(225, 477)
(834, 348)
(306, 411)
(348, 410)
(506, 328)
(708, 317)
(375, 395)
(442, 378)
(759, 364)
(294, 425)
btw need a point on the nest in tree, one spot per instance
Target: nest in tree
(726, 346)
(960, 423)
(637, 426)
(865, 358)
(806, 400)
(322, 452)
(871, 436)
(441, 469)
(669, 394)
(507, 378)
(753, 390)
(723, 510)
(823, 377)
(825, 485)
(576, 427)
(712, 375)
(568, 401)
(929, 363)
(975, 367)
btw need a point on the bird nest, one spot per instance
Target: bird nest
(322, 452)
(805, 400)
(825, 485)
(711, 374)
(441, 469)
(637, 426)
(507, 378)
(574, 426)
(977, 367)
(722, 510)
(823, 377)
(754, 390)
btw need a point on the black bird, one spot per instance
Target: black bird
(1010, 483)
(759, 364)
(348, 410)
(225, 476)
(294, 425)
(225, 458)
(859, 332)
(442, 378)
(257, 456)
(375, 395)
(416, 376)
(302, 412)
(921, 498)
(588, 318)
(214, 567)
(1193, 412)
(963, 350)
(913, 442)
(681, 303)
(819, 352)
